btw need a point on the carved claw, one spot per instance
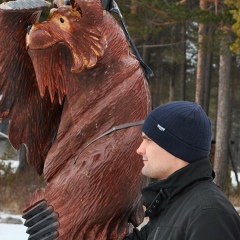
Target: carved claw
(19, 5)
(42, 222)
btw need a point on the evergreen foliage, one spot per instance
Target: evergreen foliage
(235, 11)
(156, 30)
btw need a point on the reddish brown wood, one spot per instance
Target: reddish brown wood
(80, 81)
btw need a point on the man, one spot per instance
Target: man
(184, 203)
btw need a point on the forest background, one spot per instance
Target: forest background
(193, 48)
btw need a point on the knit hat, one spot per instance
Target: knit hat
(182, 128)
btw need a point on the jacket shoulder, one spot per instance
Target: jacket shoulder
(210, 196)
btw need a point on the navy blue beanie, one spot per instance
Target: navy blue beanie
(182, 128)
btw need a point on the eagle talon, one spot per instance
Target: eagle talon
(42, 222)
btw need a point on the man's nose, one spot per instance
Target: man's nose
(140, 149)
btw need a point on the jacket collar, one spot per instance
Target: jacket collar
(159, 193)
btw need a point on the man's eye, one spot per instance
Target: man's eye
(147, 139)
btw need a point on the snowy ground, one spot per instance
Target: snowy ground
(12, 231)
(233, 178)
(13, 163)
(9, 231)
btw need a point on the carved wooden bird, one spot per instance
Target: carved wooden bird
(76, 97)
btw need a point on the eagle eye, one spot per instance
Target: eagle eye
(61, 20)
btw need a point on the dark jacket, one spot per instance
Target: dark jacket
(188, 206)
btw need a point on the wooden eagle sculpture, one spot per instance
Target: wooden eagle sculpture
(76, 96)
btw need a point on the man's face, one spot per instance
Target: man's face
(158, 163)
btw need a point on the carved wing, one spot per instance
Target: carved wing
(34, 119)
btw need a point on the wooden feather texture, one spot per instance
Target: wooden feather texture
(31, 116)
(63, 84)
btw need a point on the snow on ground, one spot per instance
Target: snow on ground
(234, 180)
(12, 231)
(13, 163)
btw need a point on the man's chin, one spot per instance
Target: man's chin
(145, 172)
